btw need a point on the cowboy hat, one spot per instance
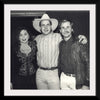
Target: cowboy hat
(45, 17)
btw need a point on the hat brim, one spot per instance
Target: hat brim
(37, 21)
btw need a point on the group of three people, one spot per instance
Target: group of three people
(62, 61)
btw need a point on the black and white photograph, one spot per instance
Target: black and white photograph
(49, 49)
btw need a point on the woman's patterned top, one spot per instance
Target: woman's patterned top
(26, 61)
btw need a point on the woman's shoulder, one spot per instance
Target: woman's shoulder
(33, 45)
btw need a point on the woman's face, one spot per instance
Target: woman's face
(23, 36)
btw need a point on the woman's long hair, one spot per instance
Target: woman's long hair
(18, 30)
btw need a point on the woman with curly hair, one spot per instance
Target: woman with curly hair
(23, 62)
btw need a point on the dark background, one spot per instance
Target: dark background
(79, 18)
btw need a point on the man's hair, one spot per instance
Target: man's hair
(63, 21)
(42, 20)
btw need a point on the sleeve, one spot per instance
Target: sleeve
(35, 56)
(59, 61)
(85, 59)
(59, 37)
(77, 52)
(77, 64)
(34, 43)
(82, 67)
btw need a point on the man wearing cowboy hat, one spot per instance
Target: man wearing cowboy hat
(48, 51)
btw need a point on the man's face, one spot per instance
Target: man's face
(66, 29)
(23, 36)
(46, 27)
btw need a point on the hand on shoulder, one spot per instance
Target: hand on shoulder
(82, 39)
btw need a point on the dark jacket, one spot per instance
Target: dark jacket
(80, 54)
(74, 58)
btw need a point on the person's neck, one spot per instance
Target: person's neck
(67, 38)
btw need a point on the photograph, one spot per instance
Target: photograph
(49, 50)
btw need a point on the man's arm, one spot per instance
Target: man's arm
(85, 58)
(79, 72)
(81, 58)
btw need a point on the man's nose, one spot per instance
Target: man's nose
(23, 36)
(46, 26)
(65, 29)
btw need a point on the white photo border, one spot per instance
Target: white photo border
(7, 48)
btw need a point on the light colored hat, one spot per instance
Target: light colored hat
(45, 17)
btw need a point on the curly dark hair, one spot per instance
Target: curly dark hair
(18, 30)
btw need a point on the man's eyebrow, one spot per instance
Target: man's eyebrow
(46, 24)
